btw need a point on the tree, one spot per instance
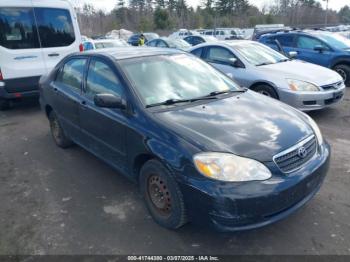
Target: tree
(161, 19)
(344, 14)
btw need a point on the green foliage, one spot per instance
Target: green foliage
(161, 19)
(344, 14)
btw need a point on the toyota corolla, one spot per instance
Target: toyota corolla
(201, 148)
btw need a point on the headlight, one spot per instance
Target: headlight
(229, 167)
(316, 129)
(298, 85)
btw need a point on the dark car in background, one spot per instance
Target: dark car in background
(134, 39)
(199, 39)
(200, 147)
(315, 46)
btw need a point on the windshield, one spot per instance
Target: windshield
(335, 40)
(257, 54)
(181, 76)
(179, 43)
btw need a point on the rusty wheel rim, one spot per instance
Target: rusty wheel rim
(159, 195)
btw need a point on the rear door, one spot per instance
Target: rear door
(104, 129)
(58, 30)
(20, 53)
(67, 89)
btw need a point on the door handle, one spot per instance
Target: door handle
(55, 89)
(53, 54)
(83, 103)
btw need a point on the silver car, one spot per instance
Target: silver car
(302, 85)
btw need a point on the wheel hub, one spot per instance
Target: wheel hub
(265, 93)
(159, 194)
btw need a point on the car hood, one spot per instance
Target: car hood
(248, 124)
(304, 71)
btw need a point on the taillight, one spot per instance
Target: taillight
(81, 48)
(1, 77)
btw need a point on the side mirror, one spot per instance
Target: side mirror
(292, 54)
(109, 101)
(319, 48)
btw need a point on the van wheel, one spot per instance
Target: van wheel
(57, 132)
(162, 195)
(266, 90)
(4, 104)
(344, 71)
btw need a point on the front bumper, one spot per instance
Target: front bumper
(307, 101)
(242, 206)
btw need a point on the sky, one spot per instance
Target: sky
(107, 5)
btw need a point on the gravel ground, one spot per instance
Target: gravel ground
(55, 201)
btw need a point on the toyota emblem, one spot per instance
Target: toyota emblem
(302, 152)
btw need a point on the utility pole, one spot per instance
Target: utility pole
(326, 18)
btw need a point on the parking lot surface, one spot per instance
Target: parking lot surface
(55, 201)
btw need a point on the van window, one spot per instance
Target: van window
(71, 74)
(17, 28)
(55, 27)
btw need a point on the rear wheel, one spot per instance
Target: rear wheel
(162, 195)
(4, 104)
(344, 71)
(266, 90)
(57, 132)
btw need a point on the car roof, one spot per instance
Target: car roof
(120, 53)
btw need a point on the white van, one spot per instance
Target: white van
(34, 36)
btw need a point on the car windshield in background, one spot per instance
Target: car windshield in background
(178, 43)
(335, 40)
(257, 54)
(174, 77)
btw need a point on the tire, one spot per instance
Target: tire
(266, 90)
(4, 104)
(162, 195)
(57, 132)
(344, 71)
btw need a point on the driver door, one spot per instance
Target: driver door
(305, 47)
(104, 129)
(216, 56)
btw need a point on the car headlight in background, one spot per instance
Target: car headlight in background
(229, 167)
(298, 85)
(316, 129)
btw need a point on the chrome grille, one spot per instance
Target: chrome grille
(296, 156)
(333, 86)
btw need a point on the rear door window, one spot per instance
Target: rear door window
(72, 73)
(198, 52)
(55, 27)
(17, 28)
(286, 40)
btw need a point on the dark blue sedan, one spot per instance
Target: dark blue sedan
(201, 148)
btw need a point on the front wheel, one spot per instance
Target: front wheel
(344, 71)
(57, 132)
(162, 195)
(266, 90)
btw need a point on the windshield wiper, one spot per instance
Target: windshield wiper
(265, 63)
(215, 93)
(284, 60)
(176, 101)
